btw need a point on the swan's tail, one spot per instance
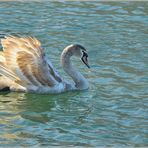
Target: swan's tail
(4, 71)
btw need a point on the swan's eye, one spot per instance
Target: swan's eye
(84, 54)
(84, 59)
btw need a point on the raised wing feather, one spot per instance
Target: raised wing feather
(26, 59)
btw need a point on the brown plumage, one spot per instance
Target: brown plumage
(24, 57)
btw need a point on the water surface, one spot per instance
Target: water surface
(113, 112)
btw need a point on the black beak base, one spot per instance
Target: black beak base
(85, 61)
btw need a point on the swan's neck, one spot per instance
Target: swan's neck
(79, 80)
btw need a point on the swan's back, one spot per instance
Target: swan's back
(24, 62)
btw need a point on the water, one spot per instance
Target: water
(113, 112)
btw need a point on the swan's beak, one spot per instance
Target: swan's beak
(84, 60)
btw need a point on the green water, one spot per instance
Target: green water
(114, 111)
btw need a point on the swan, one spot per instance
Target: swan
(25, 67)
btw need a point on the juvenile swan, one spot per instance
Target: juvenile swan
(25, 67)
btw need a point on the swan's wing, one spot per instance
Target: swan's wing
(2, 58)
(25, 58)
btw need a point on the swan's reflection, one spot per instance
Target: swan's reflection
(35, 107)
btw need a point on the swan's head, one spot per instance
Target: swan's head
(80, 51)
